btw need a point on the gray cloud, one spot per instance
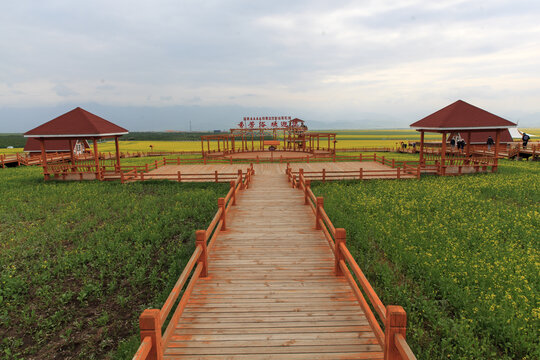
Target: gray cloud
(320, 56)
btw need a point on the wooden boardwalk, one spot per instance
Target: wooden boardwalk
(271, 290)
(276, 169)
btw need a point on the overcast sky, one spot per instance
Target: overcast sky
(358, 61)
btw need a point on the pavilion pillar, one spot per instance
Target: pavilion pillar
(421, 148)
(44, 159)
(208, 144)
(468, 150)
(117, 152)
(328, 142)
(232, 142)
(71, 154)
(318, 138)
(202, 147)
(252, 141)
(335, 144)
(443, 153)
(497, 143)
(218, 147)
(96, 158)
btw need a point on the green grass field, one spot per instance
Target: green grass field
(461, 254)
(80, 260)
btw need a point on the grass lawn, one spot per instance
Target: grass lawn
(460, 254)
(80, 260)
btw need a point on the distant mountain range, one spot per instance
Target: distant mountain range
(207, 118)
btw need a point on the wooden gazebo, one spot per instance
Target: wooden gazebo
(77, 125)
(466, 119)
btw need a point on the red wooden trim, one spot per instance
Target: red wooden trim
(177, 289)
(373, 297)
(144, 349)
(363, 303)
(396, 323)
(150, 326)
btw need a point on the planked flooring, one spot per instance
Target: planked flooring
(275, 169)
(271, 291)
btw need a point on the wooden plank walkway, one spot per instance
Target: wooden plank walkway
(271, 292)
(276, 169)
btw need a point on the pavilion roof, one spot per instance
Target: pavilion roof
(462, 116)
(77, 123)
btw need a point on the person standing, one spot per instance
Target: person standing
(525, 139)
(453, 142)
(490, 142)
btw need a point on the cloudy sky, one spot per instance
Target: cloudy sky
(368, 63)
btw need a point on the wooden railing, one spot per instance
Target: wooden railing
(152, 321)
(394, 318)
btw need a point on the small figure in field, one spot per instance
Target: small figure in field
(525, 139)
(453, 143)
(489, 142)
(461, 145)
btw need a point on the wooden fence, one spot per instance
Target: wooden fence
(393, 318)
(152, 321)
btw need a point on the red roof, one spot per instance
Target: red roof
(55, 145)
(77, 123)
(461, 115)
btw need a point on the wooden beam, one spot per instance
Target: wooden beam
(443, 152)
(96, 157)
(497, 144)
(44, 159)
(117, 151)
(421, 148)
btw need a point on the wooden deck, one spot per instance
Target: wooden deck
(271, 292)
(275, 169)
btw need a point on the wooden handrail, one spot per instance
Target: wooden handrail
(403, 348)
(144, 349)
(173, 296)
(373, 297)
(152, 320)
(393, 317)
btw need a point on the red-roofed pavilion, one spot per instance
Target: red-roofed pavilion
(464, 118)
(76, 125)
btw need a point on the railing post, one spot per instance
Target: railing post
(146, 166)
(360, 157)
(361, 173)
(179, 177)
(393, 163)
(306, 187)
(216, 175)
(233, 187)
(200, 239)
(324, 175)
(398, 173)
(293, 181)
(240, 178)
(221, 204)
(340, 238)
(300, 176)
(149, 325)
(396, 323)
(319, 205)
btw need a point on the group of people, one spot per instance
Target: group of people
(457, 142)
(525, 139)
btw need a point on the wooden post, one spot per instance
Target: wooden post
(179, 177)
(497, 144)
(360, 159)
(216, 175)
(96, 157)
(221, 204)
(146, 167)
(361, 173)
(398, 173)
(44, 159)
(340, 238)
(200, 239)
(306, 196)
(149, 325)
(117, 151)
(233, 187)
(240, 178)
(443, 153)
(393, 163)
(396, 323)
(72, 155)
(319, 205)
(468, 151)
(421, 148)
